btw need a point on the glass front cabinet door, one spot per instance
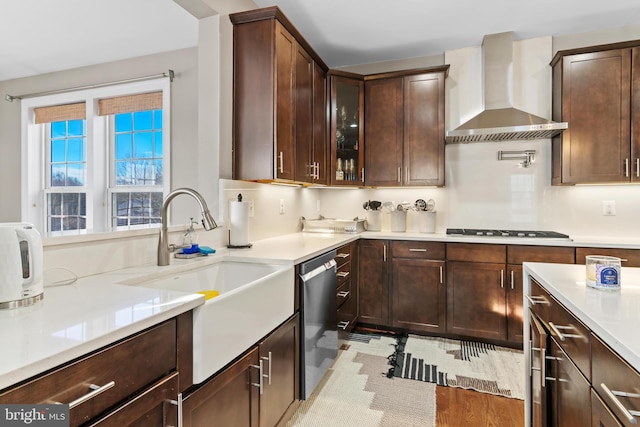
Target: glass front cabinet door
(347, 130)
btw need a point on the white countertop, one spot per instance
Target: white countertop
(612, 315)
(95, 311)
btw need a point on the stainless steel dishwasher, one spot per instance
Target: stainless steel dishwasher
(319, 330)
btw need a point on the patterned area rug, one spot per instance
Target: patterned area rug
(357, 392)
(482, 367)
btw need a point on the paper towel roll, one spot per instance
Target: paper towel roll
(239, 223)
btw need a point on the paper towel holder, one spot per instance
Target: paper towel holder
(245, 246)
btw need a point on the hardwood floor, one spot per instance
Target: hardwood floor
(459, 407)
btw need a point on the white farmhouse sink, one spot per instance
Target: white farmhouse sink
(254, 299)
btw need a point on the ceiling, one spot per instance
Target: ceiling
(73, 33)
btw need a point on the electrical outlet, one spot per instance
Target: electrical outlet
(318, 206)
(250, 208)
(608, 207)
(281, 206)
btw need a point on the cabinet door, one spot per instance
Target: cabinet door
(537, 354)
(596, 104)
(423, 161)
(285, 103)
(303, 95)
(320, 156)
(635, 118)
(515, 320)
(601, 416)
(373, 297)
(279, 353)
(228, 399)
(383, 131)
(347, 131)
(570, 395)
(418, 298)
(476, 300)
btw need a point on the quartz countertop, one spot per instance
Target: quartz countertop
(611, 315)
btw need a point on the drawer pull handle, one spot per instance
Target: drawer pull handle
(343, 294)
(502, 278)
(441, 275)
(342, 255)
(259, 384)
(268, 375)
(513, 280)
(178, 403)
(536, 299)
(343, 325)
(95, 390)
(555, 329)
(342, 274)
(612, 395)
(417, 250)
(543, 364)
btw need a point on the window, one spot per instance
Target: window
(97, 160)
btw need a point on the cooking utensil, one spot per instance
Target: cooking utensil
(431, 205)
(420, 205)
(375, 205)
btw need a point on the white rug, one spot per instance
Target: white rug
(482, 367)
(357, 392)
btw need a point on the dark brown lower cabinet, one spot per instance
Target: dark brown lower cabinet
(259, 389)
(601, 416)
(538, 351)
(373, 270)
(418, 296)
(476, 300)
(515, 323)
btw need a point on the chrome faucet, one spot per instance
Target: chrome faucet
(207, 221)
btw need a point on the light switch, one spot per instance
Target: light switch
(608, 207)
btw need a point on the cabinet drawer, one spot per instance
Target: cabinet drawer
(631, 257)
(616, 375)
(347, 314)
(477, 252)
(132, 364)
(344, 273)
(417, 249)
(556, 254)
(601, 415)
(343, 293)
(343, 255)
(540, 300)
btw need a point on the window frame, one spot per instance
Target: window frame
(98, 154)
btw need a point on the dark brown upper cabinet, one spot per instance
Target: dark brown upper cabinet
(404, 128)
(597, 91)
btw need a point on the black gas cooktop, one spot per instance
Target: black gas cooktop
(536, 234)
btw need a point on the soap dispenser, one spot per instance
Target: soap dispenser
(190, 240)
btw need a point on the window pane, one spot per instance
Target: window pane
(123, 122)
(123, 146)
(58, 129)
(123, 173)
(76, 127)
(143, 169)
(58, 150)
(136, 208)
(159, 172)
(142, 120)
(70, 205)
(75, 174)
(66, 211)
(157, 119)
(75, 150)
(157, 144)
(55, 204)
(58, 175)
(142, 145)
(55, 224)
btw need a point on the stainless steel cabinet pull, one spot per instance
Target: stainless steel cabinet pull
(259, 384)
(95, 390)
(268, 375)
(638, 167)
(342, 255)
(384, 253)
(441, 275)
(555, 329)
(513, 280)
(542, 369)
(343, 294)
(343, 325)
(536, 299)
(342, 274)
(317, 170)
(626, 167)
(406, 176)
(399, 174)
(178, 403)
(502, 278)
(417, 250)
(281, 161)
(362, 174)
(612, 395)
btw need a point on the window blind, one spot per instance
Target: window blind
(130, 103)
(59, 113)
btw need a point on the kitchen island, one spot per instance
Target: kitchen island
(589, 355)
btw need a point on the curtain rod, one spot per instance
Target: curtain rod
(169, 74)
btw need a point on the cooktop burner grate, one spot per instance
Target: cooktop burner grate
(535, 234)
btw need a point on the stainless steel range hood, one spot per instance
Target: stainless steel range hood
(500, 121)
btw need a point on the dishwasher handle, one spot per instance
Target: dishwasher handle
(329, 265)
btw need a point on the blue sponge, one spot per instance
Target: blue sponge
(206, 250)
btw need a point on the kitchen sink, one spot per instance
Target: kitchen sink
(253, 300)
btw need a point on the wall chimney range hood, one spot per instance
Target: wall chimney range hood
(500, 121)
